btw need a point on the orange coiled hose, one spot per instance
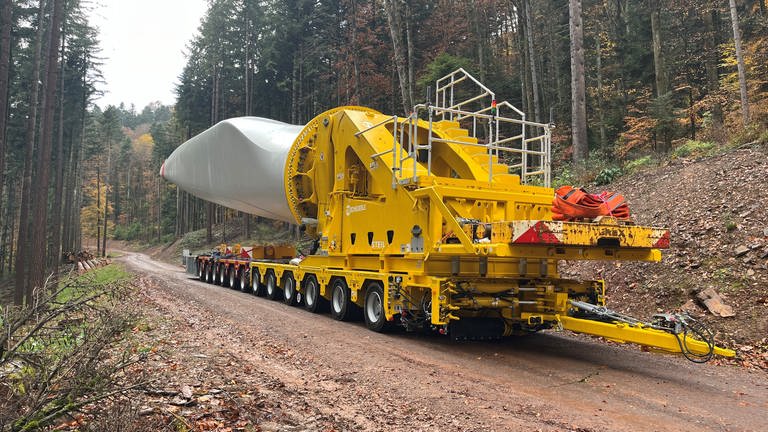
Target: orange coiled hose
(572, 203)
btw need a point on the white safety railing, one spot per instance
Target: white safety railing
(523, 146)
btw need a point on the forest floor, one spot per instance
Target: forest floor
(225, 360)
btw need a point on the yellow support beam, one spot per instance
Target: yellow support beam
(624, 333)
(448, 216)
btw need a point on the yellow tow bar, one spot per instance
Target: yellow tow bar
(668, 332)
(658, 339)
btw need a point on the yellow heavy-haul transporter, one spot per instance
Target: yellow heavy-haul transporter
(442, 220)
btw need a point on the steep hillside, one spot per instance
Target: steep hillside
(716, 210)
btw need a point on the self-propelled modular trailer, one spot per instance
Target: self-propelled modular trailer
(439, 220)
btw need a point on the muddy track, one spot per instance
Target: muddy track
(318, 369)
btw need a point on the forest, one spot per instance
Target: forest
(626, 83)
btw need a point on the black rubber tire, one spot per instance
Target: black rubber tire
(244, 280)
(223, 279)
(290, 294)
(257, 287)
(272, 290)
(232, 279)
(313, 301)
(373, 308)
(209, 272)
(217, 274)
(201, 270)
(342, 309)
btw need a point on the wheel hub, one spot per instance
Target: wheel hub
(373, 307)
(338, 299)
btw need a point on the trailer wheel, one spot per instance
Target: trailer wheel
(245, 286)
(209, 272)
(341, 308)
(313, 301)
(221, 275)
(289, 289)
(216, 274)
(256, 285)
(201, 270)
(271, 285)
(373, 311)
(232, 277)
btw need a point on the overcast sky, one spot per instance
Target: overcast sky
(143, 44)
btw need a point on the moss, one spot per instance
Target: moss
(638, 164)
(693, 148)
(109, 274)
(101, 276)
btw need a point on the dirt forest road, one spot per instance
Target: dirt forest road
(328, 375)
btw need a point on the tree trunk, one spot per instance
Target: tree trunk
(711, 53)
(180, 213)
(525, 84)
(159, 209)
(475, 12)
(209, 222)
(658, 55)
(555, 53)
(691, 113)
(215, 95)
(39, 219)
(67, 238)
(600, 108)
(98, 211)
(354, 49)
(295, 88)
(409, 44)
(711, 61)
(393, 18)
(6, 242)
(247, 65)
(75, 174)
(662, 85)
(532, 59)
(621, 29)
(11, 221)
(6, 20)
(107, 185)
(578, 91)
(23, 247)
(740, 61)
(55, 252)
